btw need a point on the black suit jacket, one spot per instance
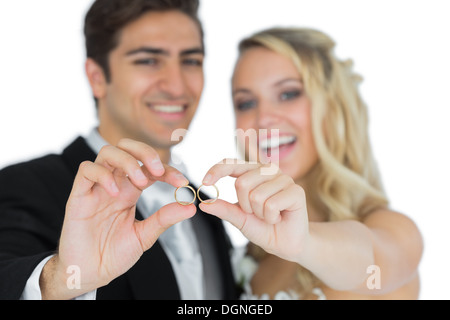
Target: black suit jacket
(33, 197)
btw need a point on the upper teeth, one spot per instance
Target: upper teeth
(169, 109)
(275, 142)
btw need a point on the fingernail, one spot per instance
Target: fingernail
(114, 188)
(207, 179)
(180, 176)
(139, 175)
(157, 165)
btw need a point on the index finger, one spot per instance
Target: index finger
(152, 166)
(144, 153)
(171, 176)
(235, 168)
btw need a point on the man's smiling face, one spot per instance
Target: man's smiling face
(156, 80)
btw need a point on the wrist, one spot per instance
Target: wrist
(306, 251)
(59, 283)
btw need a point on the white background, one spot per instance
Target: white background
(400, 47)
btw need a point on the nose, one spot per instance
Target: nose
(173, 82)
(268, 116)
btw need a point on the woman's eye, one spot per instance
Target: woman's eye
(289, 95)
(245, 105)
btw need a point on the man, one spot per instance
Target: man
(79, 224)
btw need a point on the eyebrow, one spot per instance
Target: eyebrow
(159, 51)
(279, 83)
(235, 92)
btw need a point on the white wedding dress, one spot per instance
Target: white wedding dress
(245, 267)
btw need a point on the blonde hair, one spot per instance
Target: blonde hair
(346, 183)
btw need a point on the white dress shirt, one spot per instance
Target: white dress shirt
(178, 242)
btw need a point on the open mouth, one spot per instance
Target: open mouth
(277, 147)
(169, 112)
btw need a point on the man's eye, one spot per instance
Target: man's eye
(245, 105)
(193, 62)
(148, 62)
(289, 95)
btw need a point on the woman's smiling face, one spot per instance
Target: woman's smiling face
(268, 93)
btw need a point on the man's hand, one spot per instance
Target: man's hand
(100, 235)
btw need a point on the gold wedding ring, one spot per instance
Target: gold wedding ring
(209, 201)
(186, 203)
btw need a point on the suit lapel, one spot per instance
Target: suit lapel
(77, 152)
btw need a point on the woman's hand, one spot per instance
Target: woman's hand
(271, 210)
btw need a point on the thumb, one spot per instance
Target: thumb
(253, 228)
(151, 228)
(227, 211)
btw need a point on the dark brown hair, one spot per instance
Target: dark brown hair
(106, 18)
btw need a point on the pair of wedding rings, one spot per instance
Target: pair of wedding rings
(196, 195)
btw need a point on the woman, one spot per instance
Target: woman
(321, 217)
